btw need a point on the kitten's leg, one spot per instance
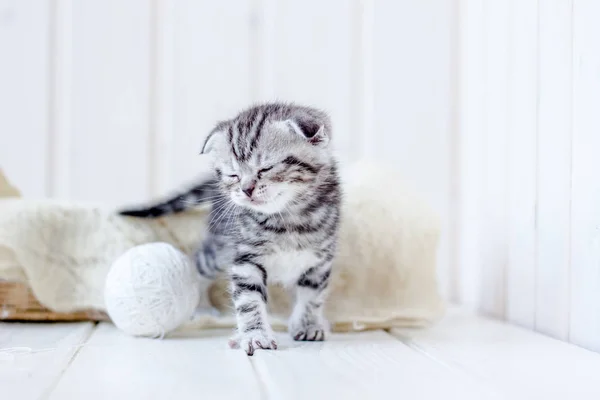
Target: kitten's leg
(307, 321)
(210, 267)
(249, 288)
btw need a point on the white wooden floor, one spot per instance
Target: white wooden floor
(464, 357)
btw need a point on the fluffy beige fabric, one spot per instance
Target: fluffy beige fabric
(6, 189)
(384, 275)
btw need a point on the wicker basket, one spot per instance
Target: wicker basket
(17, 303)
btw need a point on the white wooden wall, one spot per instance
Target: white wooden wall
(529, 143)
(489, 108)
(108, 101)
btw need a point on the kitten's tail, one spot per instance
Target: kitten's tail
(205, 192)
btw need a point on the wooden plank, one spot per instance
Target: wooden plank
(109, 142)
(24, 46)
(362, 94)
(162, 126)
(585, 206)
(262, 49)
(412, 90)
(212, 76)
(495, 159)
(522, 149)
(368, 365)
(412, 100)
(61, 73)
(470, 149)
(517, 363)
(185, 366)
(449, 270)
(312, 59)
(554, 168)
(33, 356)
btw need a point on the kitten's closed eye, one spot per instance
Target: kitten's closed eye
(262, 171)
(233, 178)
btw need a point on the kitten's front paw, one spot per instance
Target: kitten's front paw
(312, 333)
(253, 340)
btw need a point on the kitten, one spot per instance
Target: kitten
(276, 208)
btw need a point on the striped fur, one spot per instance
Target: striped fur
(275, 215)
(201, 193)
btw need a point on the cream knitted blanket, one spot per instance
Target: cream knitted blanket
(384, 274)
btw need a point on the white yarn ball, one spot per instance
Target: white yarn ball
(151, 290)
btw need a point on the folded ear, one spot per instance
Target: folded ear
(311, 129)
(212, 138)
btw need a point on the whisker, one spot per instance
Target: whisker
(227, 214)
(220, 205)
(205, 199)
(202, 200)
(235, 212)
(222, 214)
(220, 202)
(217, 212)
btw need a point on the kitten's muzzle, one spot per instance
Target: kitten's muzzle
(248, 190)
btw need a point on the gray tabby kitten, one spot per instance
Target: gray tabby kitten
(276, 208)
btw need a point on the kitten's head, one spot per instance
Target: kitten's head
(270, 155)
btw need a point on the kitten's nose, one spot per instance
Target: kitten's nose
(249, 189)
